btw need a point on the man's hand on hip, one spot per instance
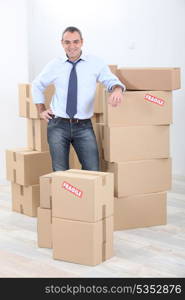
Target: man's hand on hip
(116, 97)
(46, 114)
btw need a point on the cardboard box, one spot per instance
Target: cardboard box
(135, 142)
(25, 199)
(99, 96)
(82, 195)
(46, 190)
(139, 108)
(140, 177)
(113, 69)
(159, 79)
(99, 130)
(25, 166)
(27, 108)
(97, 118)
(82, 242)
(37, 135)
(44, 228)
(140, 211)
(73, 159)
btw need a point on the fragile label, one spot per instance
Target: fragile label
(70, 188)
(154, 99)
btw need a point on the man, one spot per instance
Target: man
(71, 109)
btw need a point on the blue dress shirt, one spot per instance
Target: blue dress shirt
(90, 70)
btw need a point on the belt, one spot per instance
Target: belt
(73, 120)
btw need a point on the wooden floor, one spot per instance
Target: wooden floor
(148, 252)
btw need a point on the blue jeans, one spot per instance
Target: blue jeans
(61, 133)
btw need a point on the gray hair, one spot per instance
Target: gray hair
(72, 29)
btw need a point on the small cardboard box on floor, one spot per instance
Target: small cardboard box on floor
(82, 242)
(25, 199)
(150, 79)
(82, 216)
(25, 166)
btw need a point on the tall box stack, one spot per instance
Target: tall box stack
(99, 110)
(76, 215)
(25, 166)
(135, 146)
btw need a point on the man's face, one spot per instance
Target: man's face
(72, 44)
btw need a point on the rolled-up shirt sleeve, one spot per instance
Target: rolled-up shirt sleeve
(108, 79)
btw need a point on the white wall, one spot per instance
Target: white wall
(13, 69)
(142, 33)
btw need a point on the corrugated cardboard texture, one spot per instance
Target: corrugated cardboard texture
(140, 211)
(160, 79)
(26, 166)
(113, 69)
(44, 228)
(25, 199)
(45, 190)
(73, 159)
(94, 203)
(82, 242)
(37, 135)
(98, 101)
(135, 109)
(135, 142)
(140, 177)
(99, 95)
(27, 108)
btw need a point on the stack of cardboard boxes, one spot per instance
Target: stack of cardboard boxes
(75, 208)
(75, 217)
(135, 145)
(25, 166)
(133, 141)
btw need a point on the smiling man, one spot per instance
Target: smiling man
(69, 116)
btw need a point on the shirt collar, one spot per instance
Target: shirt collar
(82, 57)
